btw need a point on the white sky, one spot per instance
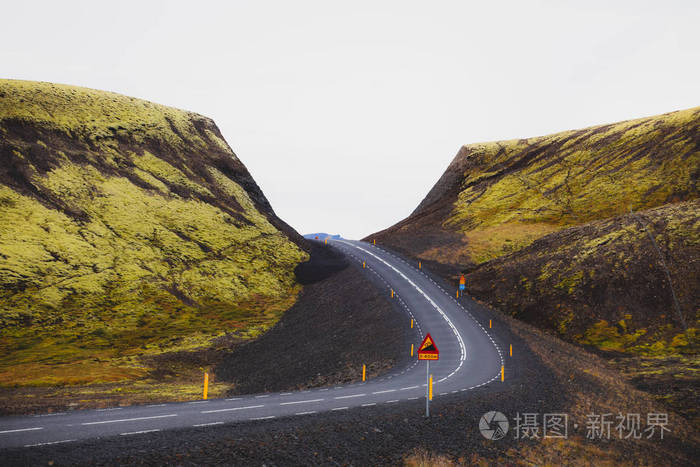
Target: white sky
(346, 113)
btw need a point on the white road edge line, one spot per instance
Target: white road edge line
(129, 419)
(138, 432)
(50, 442)
(232, 409)
(351, 395)
(301, 402)
(22, 429)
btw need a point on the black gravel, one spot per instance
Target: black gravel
(326, 337)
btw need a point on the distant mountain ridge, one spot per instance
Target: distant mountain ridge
(321, 235)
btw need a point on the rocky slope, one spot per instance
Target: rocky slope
(128, 228)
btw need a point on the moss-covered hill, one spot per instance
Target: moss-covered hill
(525, 217)
(498, 197)
(127, 227)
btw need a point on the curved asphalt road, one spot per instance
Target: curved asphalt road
(469, 358)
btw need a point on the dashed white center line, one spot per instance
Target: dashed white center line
(50, 442)
(22, 429)
(413, 398)
(264, 395)
(286, 394)
(385, 391)
(340, 408)
(209, 424)
(410, 387)
(369, 405)
(389, 402)
(263, 418)
(234, 399)
(138, 432)
(232, 409)
(305, 413)
(352, 395)
(129, 419)
(301, 402)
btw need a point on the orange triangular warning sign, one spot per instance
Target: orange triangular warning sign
(428, 350)
(428, 345)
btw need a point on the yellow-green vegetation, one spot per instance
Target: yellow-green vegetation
(513, 192)
(96, 116)
(606, 337)
(128, 228)
(604, 284)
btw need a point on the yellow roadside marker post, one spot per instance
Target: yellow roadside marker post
(374, 242)
(489, 324)
(411, 323)
(502, 373)
(420, 266)
(364, 372)
(411, 350)
(430, 394)
(206, 385)
(511, 350)
(458, 294)
(363, 264)
(392, 293)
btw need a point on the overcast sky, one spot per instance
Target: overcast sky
(346, 113)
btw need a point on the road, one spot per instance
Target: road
(469, 358)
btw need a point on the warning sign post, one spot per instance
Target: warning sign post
(428, 351)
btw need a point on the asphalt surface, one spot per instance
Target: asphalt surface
(469, 358)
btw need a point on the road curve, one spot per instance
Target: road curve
(469, 358)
